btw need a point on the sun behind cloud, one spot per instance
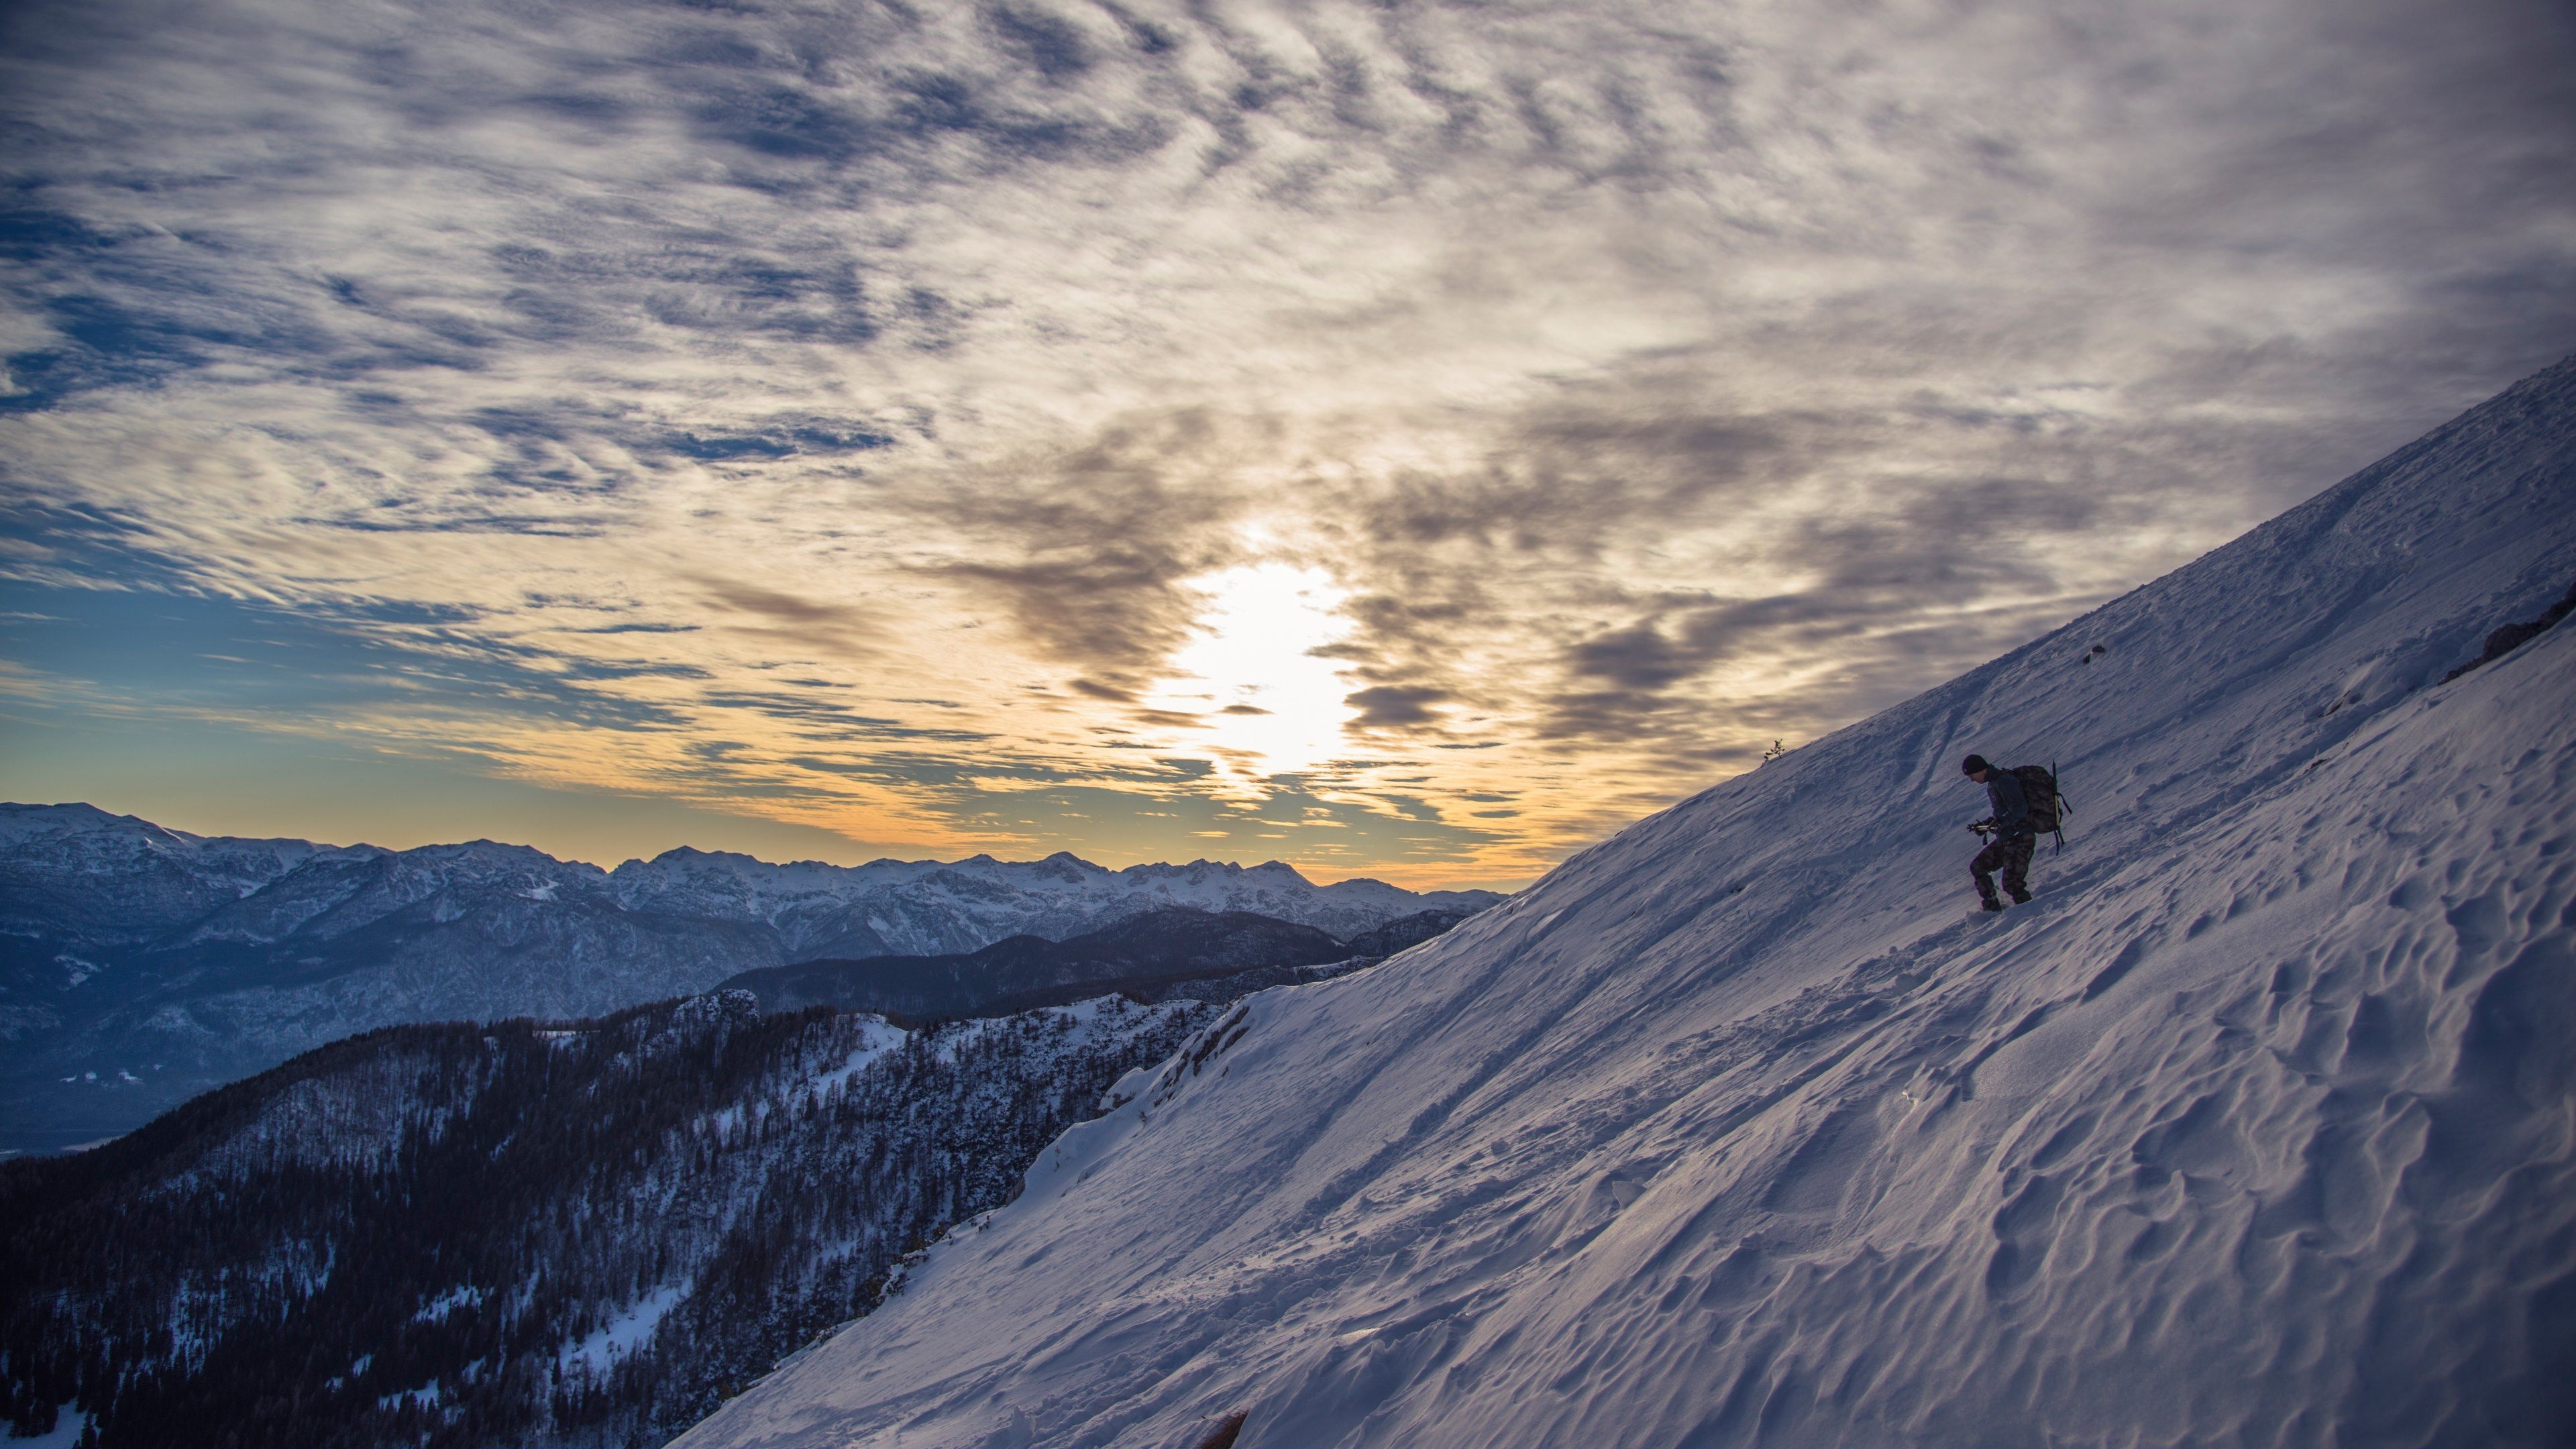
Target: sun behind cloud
(1270, 703)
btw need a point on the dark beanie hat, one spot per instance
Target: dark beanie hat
(1973, 764)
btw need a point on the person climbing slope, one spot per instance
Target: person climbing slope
(2012, 837)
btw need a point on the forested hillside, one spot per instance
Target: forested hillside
(580, 1233)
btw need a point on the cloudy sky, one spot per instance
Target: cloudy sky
(1400, 438)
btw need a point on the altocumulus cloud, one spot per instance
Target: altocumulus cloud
(838, 411)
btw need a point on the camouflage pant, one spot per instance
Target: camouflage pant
(2010, 853)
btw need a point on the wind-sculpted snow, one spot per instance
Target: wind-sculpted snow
(2258, 1127)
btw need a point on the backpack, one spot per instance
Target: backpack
(2048, 809)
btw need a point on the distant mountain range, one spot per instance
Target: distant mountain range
(141, 965)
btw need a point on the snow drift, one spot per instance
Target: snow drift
(1740, 1129)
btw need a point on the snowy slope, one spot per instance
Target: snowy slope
(2259, 1127)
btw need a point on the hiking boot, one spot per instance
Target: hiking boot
(2021, 898)
(1993, 905)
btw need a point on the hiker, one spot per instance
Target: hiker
(2012, 838)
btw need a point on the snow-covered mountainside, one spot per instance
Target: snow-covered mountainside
(512, 1236)
(2258, 1127)
(140, 965)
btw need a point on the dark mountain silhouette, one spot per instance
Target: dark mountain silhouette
(1143, 955)
(1403, 934)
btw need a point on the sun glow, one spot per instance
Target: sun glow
(1266, 702)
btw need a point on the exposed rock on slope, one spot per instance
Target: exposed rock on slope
(2258, 1128)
